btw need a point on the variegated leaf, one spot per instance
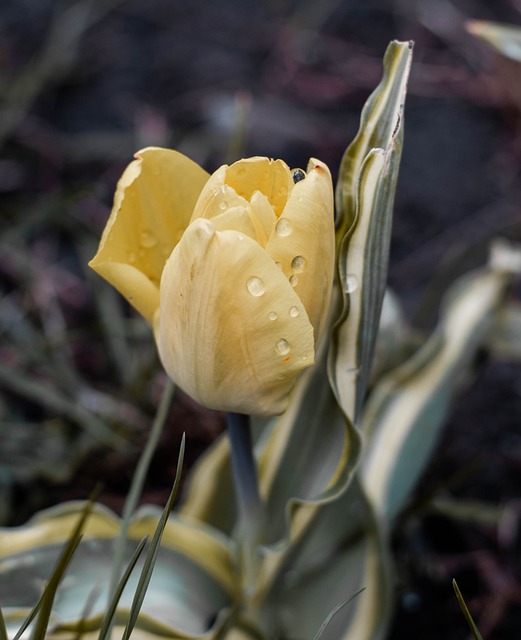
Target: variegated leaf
(504, 38)
(193, 559)
(405, 412)
(365, 195)
(341, 554)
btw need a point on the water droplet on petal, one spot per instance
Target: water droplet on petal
(147, 239)
(293, 280)
(294, 312)
(351, 283)
(282, 347)
(272, 315)
(298, 264)
(283, 227)
(255, 286)
(223, 206)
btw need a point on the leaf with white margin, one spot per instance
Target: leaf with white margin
(343, 553)
(365, 196)
(505, 338)
(193, 584)
(406, 410)
(310, 454)
(504, 38)
(209, 495)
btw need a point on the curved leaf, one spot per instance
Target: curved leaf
(365, 195)
(504, 38)
(210, 496)
(309, 456)
(406, 409)
(343, 553)
(193, 581)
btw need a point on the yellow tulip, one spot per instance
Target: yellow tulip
(233, 271)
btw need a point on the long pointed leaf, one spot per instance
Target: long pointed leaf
(365, 196)
(406, 410)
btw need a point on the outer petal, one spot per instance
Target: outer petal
(152, 207)
(232, 332)
(303, 242)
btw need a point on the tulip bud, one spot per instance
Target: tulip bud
(234, 271)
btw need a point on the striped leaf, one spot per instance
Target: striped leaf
(407, 408)
(365, 196)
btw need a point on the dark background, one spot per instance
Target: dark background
(85, 84)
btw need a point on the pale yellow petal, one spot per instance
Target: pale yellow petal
(271, 177)
(232, 331)
(214, 200)
(236, 219)
(263, 217)
(214, 184)
(152, 207)
(303, 242)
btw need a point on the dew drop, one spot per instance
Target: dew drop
(351, 283)
(272, 315)
(294, 312)
(147, 239)
(255, 286)
(283, 227)
(223, 206)
(298, 264)
(293, 280)
(282, 347)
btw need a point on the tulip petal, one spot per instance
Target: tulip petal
(263, 217)
(237, 219)
(270, 177)
(232, 331)
(303, 242)
(152, 207)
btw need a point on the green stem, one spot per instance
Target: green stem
(247, 493)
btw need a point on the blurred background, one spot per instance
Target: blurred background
(86, 83)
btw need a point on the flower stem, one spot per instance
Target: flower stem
(246, 491)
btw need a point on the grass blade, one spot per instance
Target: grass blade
(150, 560)
(466, 612)
(3, 628)
(138, 481)
(334, 611)
(111, 608)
